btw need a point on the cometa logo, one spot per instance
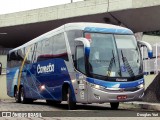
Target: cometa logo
(45, 69)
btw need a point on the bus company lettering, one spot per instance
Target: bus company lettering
(45, 69)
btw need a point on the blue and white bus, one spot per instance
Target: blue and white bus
(78, 63)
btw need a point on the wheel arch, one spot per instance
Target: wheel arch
(65, 87)
(15, 88)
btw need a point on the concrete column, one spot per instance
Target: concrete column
(3, 82)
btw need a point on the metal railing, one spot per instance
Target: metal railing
(152, 65)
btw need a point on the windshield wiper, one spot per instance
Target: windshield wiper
(127, 65)
(111, 64)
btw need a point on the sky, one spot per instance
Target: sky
(11, 6)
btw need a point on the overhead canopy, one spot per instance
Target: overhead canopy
(138, 20)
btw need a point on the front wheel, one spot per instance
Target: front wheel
(71, 103)
(114, 105)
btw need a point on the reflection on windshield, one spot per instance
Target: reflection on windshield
(114, 55)
(102, 54)
(127, 46)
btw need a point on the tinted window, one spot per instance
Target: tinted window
(15, 58)
(47, 46)
(72, 35)
(38, 50)
(80, 59)
(29, 51)
(59, 47)
(53, 47)
(20, 54)
(12, 59)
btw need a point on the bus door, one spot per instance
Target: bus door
(82, 91)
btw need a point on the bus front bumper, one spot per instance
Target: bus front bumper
(99, 96)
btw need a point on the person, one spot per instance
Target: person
(0, 68)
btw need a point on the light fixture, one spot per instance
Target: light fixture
(140, 86)
(3, 33)
(42, 87)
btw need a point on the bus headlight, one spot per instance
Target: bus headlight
(140, 86)
(96, 86)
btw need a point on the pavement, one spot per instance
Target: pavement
(136, 104)
(145, 105)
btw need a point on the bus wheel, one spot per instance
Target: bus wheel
(17, 96)
(71, 103)
(22, 96)
(114, 105)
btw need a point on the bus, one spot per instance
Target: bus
(78, 63)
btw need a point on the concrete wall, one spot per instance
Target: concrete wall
(74, 9)
(3, 88)
(151, 39)
(3, 60)
(149, 79)
(54, 12)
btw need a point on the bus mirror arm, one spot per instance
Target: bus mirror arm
(149, 48)
(85, 41)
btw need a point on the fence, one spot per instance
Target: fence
(151, 65)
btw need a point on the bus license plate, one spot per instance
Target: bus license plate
(121, 97)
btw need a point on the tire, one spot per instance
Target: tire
(71, 103)
(23, 99)
(114, 105)
(52, 102)
(17, 96)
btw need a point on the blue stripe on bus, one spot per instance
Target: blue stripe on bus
(113, 84)
(108, 30)
(12, 79)
(32, 80)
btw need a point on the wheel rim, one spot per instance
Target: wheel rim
(68, 98)
(16, 95)
(22, 95)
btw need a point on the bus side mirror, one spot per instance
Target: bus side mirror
(149, 48)
(85, 42)
(82, 52)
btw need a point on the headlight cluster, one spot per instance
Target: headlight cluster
(96, 86)
(141, 86)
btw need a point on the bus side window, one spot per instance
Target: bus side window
(20, 54)
(59, 47)
(72, 35)
(47, 46)
(38, 51)
(80, 61)
(13, 59)
(29, 52)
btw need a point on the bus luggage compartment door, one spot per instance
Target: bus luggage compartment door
(81, 91)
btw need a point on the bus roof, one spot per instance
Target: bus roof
(85, 26)
(98, 27)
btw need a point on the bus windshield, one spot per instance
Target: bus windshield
(114, 55)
